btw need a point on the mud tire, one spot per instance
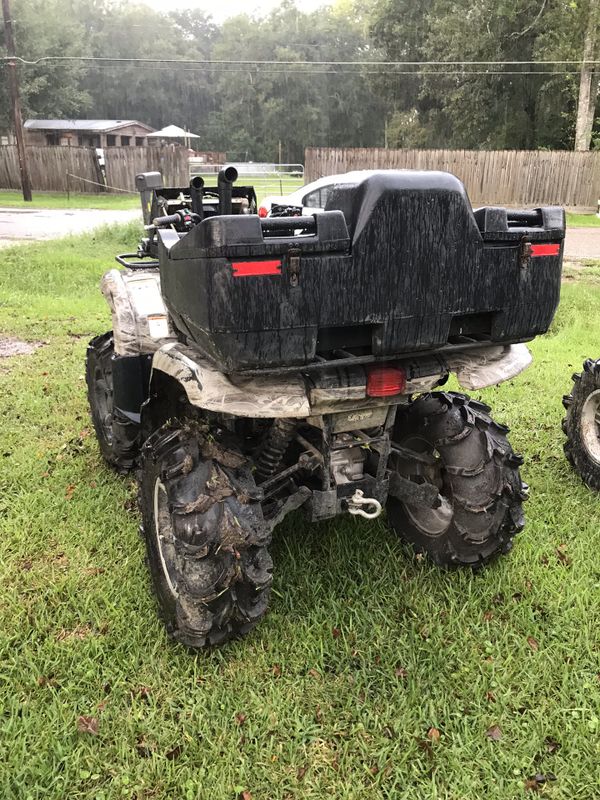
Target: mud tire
(212, 571)
(582, 447)
(477, 473)
(118, 437)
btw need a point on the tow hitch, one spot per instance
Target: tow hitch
(358, 500)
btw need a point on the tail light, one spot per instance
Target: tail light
(545, 249)
(385, 381)
(263, 211)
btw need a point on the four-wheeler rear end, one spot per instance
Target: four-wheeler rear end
(259, 366)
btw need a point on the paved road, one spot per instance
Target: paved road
(19, 225)
(582, 243)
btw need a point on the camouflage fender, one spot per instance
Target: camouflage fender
(489, 366)
(259, 397)
(140, 320)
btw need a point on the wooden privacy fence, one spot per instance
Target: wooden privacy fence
(76, 169)
(48, 168)
(124, 163)
(503, 177)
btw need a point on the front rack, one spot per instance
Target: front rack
(120, 259)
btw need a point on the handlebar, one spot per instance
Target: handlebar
(268, 225)
(168, 219)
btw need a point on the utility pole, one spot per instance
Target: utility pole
(588, 83)
(13, 83)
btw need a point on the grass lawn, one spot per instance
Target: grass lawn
(583, 221)
(9, 199)
(60, 200)
(264, 185)
(374, 675)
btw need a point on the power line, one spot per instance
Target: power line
(305, 68)
(257, 62)
(379, 73)
(309, 72)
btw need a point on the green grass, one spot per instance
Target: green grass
(587, 269)
(263, 187)
(60, 200)
(583, 221)
(365, 648)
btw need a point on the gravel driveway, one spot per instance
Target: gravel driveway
(18, 225)
(582, 243)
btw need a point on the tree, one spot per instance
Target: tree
(47, 28)
(494, 106)
(253, 110)
(296, 104)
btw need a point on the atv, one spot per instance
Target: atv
(581, 424)
(257, 366)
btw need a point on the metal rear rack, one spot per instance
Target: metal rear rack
(340, 358)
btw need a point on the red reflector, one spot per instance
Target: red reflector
(385, 381)
(263, 211)
(248, 269)
(545, 249)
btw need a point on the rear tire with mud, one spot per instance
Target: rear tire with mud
(118, 437)
(206, 538)
(582, 424)
(458, 447)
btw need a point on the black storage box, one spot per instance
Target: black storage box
(397, 263)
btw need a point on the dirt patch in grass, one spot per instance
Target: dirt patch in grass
(587, 270)
(9, 346)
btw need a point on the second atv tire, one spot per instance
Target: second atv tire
(582, 424)
(206, 539)
(458, 447)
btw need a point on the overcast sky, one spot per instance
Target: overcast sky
(229, 8)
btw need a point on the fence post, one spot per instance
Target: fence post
(68, 188)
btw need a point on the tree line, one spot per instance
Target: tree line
(304, 95)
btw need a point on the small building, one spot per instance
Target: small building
(87, 132)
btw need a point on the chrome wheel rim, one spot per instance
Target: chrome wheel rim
(163, 532)
(104, 401)
(590, 425)
(432, 522)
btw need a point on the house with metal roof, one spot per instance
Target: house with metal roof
(87, 132)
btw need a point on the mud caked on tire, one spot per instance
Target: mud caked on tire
(206, 539)
(459, 448)
(582, 424)
(117, 436)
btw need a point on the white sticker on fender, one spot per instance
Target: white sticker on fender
(146, 297)
(158, 326)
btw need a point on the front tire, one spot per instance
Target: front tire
(118, 437)
(459, 448)
(582, 424)
(206, 539)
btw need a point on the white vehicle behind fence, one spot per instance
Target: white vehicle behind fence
(312, 197)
